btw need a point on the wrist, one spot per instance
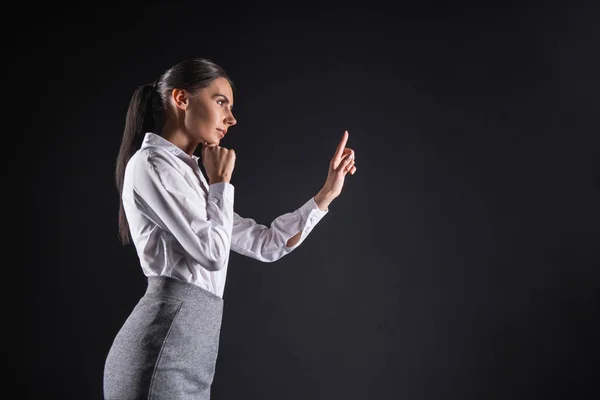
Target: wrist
(323, 198)
(218, 179)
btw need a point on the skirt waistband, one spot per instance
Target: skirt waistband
(178, 289)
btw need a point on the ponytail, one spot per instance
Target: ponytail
(139, 120)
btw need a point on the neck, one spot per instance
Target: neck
(179, 138)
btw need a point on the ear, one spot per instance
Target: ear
(181, 98)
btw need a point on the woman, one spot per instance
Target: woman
(183, 227)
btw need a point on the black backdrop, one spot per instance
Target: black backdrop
(460, 262)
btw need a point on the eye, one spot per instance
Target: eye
(220, 102)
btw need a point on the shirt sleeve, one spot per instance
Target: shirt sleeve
(202, 227)
(257, 241)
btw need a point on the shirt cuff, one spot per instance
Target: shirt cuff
(312, 214)
(223, 190)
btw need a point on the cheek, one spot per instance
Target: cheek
(199, 116)
(193, 120)
(217, 115)
(213, 118)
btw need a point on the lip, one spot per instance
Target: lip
(221, 132)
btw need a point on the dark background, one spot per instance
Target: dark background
(461, 260)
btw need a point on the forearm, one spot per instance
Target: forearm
(323, 199)
(292, 242)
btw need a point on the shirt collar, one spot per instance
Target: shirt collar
(153, 140)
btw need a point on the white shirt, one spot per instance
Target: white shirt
(184, 228)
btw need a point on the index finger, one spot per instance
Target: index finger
(342, 145)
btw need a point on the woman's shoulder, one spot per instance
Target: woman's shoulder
(158, 159)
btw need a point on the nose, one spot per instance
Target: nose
(230, 119)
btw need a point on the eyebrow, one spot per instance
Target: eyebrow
(225, 97)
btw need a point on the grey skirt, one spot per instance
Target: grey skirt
(167, 348)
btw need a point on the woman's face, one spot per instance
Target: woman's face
(209, 116)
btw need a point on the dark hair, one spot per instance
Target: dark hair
(146, 113)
